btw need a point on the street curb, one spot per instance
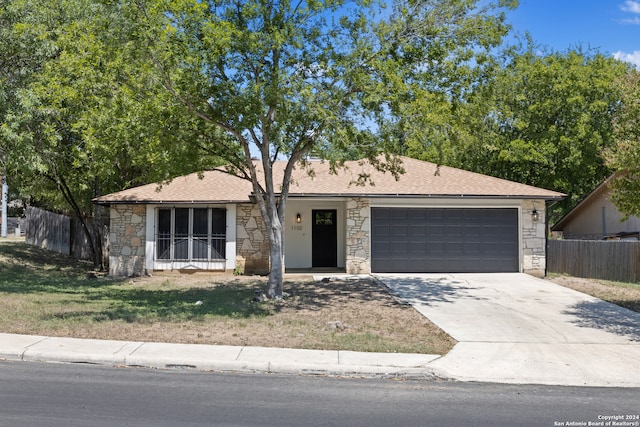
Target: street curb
(198, 357)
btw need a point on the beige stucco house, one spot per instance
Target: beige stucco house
(596, 218)
(433, 219)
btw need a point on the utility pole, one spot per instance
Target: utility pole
(5, 193)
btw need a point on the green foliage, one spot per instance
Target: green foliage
(624, 156)
(293, 78)
(437, 81)
(22, 52)
(130, 92)
(84, 116)
(544, 120)
(90, 119)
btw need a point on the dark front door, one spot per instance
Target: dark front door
(324, 238)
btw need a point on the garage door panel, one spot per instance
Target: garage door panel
(417, 230)
(399, 231)
(398, 248)
(444, 240)
(473, 248)
(380, 230)
(417, 214)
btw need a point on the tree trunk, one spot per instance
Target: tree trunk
(98, 229)
(276, 259)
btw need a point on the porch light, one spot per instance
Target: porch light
(298, 218)
(534, 215)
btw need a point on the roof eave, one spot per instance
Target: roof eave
(432, 196)
(167, 202)
(323, 195)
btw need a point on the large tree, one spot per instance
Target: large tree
(624, 156)
(286, 78)
(89, 120)
(21, 56)
(544, 120)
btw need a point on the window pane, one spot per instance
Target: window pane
(200, 222)
(163, 239)
(181, 243)
(324, 218)
(218, 221)
(200, 233)
(218, 233)
(164, 221)
(181, 249)
(182, 221)
(200, 248)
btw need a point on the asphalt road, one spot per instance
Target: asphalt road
(34, 394)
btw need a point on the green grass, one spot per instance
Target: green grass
(52, 289)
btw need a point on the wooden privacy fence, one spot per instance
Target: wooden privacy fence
(48, 230)
(597, 259)
(56, 232)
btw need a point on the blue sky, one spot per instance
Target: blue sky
(610, 26)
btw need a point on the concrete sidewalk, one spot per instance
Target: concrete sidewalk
(216, 358)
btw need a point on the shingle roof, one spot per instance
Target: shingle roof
(419, 180)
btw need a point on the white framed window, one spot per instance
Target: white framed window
(191, 234)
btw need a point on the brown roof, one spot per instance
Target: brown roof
(419, 180)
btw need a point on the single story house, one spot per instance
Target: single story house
(433, 219)
(597, 218)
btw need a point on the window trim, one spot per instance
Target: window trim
(215, 242)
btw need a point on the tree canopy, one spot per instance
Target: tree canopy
(543, 119)
(101, 95)
(85, 119)
(624, 156)
(288, 78)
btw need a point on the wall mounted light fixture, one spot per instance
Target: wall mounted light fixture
(298, 218)
(534, 215)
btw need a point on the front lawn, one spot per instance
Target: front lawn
(44, 293)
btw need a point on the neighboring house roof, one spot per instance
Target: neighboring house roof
(584, 203)
(421, 179)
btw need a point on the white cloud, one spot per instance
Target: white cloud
(632, 21)
(633, 58)
(631, 6)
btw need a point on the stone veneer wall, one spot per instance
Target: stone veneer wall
(127, 235)
(252, 241)
(534, 238)
(358, 259)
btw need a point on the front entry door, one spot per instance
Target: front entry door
(324, 237)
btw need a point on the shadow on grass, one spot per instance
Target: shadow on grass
(28, 269)
(633, 305)
(316, 295)
(150, 305)
(232, 300)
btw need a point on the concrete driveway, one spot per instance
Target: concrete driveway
(515, 328)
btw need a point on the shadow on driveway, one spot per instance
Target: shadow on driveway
(607, 317)
(428, 290)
